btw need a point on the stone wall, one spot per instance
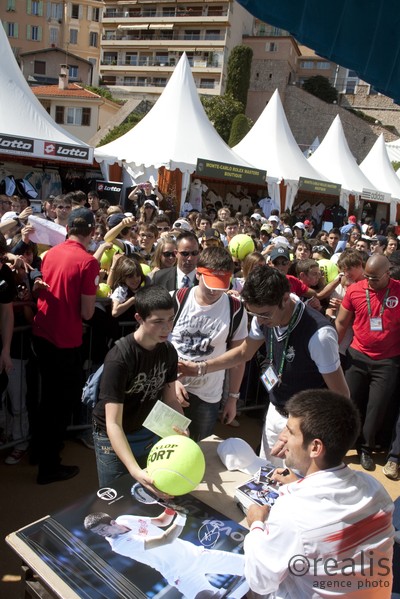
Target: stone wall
(378, 107)
(310, 117)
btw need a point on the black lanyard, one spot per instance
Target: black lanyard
(382, 306)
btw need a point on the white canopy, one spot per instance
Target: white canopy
(270, 145)
(393, 150)
(26, 128)
(334, 159)
(174, 134)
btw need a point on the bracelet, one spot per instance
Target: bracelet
(169, 511)
(234, 395)
(202, 369)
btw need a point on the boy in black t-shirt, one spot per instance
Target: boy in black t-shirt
(130, 387)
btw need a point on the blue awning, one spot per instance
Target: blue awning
(362, 35)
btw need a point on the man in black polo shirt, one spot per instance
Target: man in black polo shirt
(301, 349)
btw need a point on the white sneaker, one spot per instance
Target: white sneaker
(15, 456)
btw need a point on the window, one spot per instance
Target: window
(160, 81)
(34, 33)
(323, 65)
(75, 11)
(207, 83)
(39, 67)
(131, 58)
(168, 11)
(307, 64)
(129, 80)
(55, 10)
(142, 81)
(161, 58)
(93, 39)
(96, 14)
(110, 58)
(60, 115)
(73, 36)
(53, 36)
(271, 47)
(35, 7)
(12, 29)
(10, 5)
(212, 34)
(191, 34)
(73, 71)
(78, 116)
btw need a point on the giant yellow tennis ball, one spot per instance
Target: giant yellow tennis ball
(107, 256)
(176, 464)
(241, 245)
(103, 290)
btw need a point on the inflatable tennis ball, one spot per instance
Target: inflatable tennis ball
(176, 464)
(241, 245)
(328, 269)
(103, 290)
(145, 268)
(107, 256)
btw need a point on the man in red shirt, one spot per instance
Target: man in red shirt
(72, 276)
(372, 306)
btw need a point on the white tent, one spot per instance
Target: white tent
(334, 159)
(270, 145)
(26, 128)
(174, 134)
(377, 167)
(393, 150)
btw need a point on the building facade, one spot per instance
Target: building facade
(74, 27)
(142, 41)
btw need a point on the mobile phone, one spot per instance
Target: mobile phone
(36, 206)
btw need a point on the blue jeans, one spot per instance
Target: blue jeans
(109, 466)
(203, 416)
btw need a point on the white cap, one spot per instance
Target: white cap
(274, 218)
(280, 240)
(182, 224)
(236, 454)
(151, 202)
(299, 225)
(8, 216)
(256, 216)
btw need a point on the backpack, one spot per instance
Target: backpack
(235, 306)
(91, 389)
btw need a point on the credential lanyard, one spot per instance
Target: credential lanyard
(382, 306)
(290, 329)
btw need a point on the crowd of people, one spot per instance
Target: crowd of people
(314, 308)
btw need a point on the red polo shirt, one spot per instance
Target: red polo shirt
(377, 345)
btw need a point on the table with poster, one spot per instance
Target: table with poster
(67, 561)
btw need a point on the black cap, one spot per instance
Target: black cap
(81, 214)
(210, 234)
(279, 252)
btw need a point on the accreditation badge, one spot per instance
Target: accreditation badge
(269, 378)
(375, 324)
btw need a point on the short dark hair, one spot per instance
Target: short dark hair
(265, 286)
(96, 518)
(350, 258)
(154, 297)
(216, 258)
(306, 265)
(328, 416)
(189, 235)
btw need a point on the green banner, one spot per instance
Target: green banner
(221, 170)
(316, 186)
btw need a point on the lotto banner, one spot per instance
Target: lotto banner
(120, 543)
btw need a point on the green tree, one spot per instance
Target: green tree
(221, 110)
(320, 87)
(241, 125)
(395, 165)
(238, 80)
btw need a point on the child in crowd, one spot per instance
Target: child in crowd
(126, 278)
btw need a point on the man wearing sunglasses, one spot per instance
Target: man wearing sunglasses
(184, 273)
(301, 349)
(372, 307)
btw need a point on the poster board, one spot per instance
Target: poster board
(79, 563)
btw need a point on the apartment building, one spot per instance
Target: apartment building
(72, 26)
(143, 40)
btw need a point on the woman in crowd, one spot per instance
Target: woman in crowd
(165, 254)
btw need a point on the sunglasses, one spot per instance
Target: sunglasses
(321, 248)
(64, 207)
(163, 228)
(186, 254)
(169, 254)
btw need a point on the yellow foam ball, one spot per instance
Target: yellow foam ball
(241, 245)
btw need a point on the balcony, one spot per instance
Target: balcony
(143, 34)
(207, 12)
